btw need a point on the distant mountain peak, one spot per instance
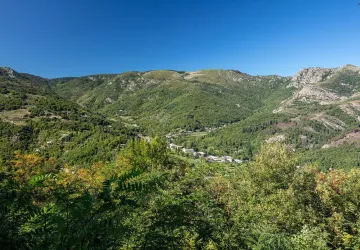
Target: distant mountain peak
(310, 76)
(316, 74)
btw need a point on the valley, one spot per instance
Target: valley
(212, 159)
(220, 112)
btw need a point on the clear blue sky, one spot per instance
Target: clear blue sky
(53, 38)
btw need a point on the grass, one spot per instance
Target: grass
(14, 116)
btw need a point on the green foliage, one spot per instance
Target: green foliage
(141, 153)
(164, 100)
(346, 156)
(310, 238)
(344, 82)
(340, 114)
(12, 101)
(43, 215)
(240, 139)
(54, 126)
(148, 198)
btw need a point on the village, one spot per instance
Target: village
(209, 158)
(195, 154)
(189, 152)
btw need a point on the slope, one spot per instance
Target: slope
(35, 119)
(161, 101)
(322, 113)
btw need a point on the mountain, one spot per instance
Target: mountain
(74, 176)
(34, 118)
(215, 111)
(10, 79)
(319, 120)
(230, 112)
(165, 100)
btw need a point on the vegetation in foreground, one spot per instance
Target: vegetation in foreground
(150, 199)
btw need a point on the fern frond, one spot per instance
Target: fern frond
(38, 180)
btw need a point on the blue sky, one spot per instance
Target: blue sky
(54, 38)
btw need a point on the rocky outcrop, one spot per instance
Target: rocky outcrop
(277, 138)
(311, 93)
(8, 72)
(310, 76)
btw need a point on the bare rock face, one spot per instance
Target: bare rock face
(5, 71)
(311, 93)
(277, 138)
(109, 100)
(310, 76)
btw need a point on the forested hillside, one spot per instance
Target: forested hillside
(35, 119)
(226, 112)
(161, 101)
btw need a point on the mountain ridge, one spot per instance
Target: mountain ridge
(346, 66)
(216, 111)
